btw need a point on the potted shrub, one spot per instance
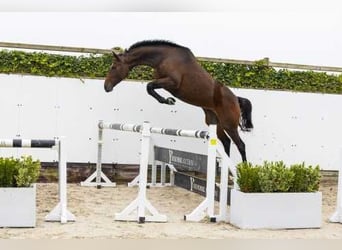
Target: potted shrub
(274, 196)
(18, 191)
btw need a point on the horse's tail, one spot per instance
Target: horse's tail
(246, 114)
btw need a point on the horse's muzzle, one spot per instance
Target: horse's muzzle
(108, 87)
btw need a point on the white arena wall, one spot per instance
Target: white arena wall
(289, 126)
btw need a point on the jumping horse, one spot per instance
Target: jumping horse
(177, 71)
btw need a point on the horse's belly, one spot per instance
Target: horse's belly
(197, 99)
(196, 89)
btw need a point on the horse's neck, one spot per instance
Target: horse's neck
(145, 56)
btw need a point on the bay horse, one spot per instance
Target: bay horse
(177, 70)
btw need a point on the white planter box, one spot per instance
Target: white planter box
(18, 207)
(275, 210)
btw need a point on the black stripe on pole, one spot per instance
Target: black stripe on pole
(116, 126)
(137, 128)
(17, 143)
(169, 131)
(203, 134)
(43, 143)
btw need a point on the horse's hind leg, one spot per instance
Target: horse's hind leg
(224, 139)
(228, 113)
(211, 118)
(234, 135)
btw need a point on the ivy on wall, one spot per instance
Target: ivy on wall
(257, 76)
(19, 62)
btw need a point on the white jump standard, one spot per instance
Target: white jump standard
(60, 212)
(135, 211)
(95, 180)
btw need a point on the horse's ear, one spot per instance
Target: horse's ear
(116, 56)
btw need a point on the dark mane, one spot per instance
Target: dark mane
(155, 43)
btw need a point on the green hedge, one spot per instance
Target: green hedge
(276, 177)
(18, 172)
(256, 76)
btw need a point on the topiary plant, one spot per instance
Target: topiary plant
(7, 171)
(18, 172)
(276, 177)
(247, 177)
(27, 171)
(306, 179)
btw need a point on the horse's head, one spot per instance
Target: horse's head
(117, 72)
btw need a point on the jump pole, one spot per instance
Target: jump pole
(60, 211)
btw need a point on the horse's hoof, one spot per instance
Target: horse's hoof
(170, 101)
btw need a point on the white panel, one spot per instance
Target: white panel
(27, 106)
(289, 126)
(37, 114)
(9, 105)
(294, 127)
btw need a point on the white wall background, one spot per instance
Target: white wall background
(293, 127)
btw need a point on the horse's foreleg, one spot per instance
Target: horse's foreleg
(161, 84)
